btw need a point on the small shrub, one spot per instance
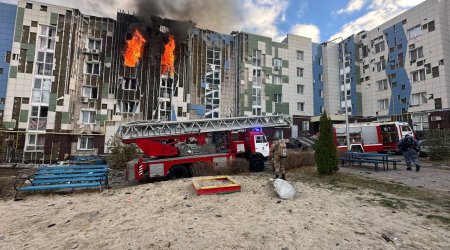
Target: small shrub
(439, 144)
(298, 159)
(6, 187)
(235, 167)
(120, 153)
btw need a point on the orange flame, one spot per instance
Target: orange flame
(168, 58)
(134, 49)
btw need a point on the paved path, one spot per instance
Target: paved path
(433, 176)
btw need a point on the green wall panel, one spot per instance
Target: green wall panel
(23, 116)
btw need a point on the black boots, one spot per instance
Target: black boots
(417, 168)
(277, 176)
(408, 168)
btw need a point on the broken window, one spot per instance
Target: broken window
(416, 54)
(213, 65)
(257, 55)
(95, 45)
(431, 26)
(129, 84)
(38, 118)
(44, 63)
(129, 106)
(300, 55)
(89, 92)
(92, 68)
(47, 38)
(300, 72)
(257, 80)
(418, 75)
(435, 71)
(41, 90)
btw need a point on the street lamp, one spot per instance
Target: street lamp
(347, 133)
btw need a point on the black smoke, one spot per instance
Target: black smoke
(219, 15)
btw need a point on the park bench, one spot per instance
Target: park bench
(64, 177)
(361, 160)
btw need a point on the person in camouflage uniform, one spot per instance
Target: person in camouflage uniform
(279, 152)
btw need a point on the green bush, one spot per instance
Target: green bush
(120, 153)
(326, 152)
(438, 145)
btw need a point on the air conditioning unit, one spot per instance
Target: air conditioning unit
(84, 99)
(95, 51)
(85, 50)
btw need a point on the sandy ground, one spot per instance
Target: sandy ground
(168, 214)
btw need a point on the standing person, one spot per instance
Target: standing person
(279, 152)
(410, 149)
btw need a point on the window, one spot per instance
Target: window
(415, 32)
(438, 103)
(256, 111)
(418, 99)
(47, 38)
(95, 44)
(320, 77)
(277, 98)
(382, 85)
(44, 63)
(277, 80)
(28, 5)
(1, 71)
(129, 83)
(92, 68)
(300, 88)
(35, 142)
(89, 92)
(435, 71)
(416, 54)
(320, 61)
(43, 8)
(300, 55)
(88, 117)
(300, 106)
(379, 47)
(431, 26)
(381, 66)
(300, 72)
(38, 118)
(277, 63)
(257, 55)
(41, 90)
(418, 75)
(257, 96)
(213, 65)
(383, 104)
(321, 93)
(257, 79)
(85, 143)
(129, 106)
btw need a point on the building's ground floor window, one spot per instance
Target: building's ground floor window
(85, 143)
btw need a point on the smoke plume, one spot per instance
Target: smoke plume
(219, 15)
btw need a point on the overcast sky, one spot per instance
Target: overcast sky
(321, 20)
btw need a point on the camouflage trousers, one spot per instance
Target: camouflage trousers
(278, 165)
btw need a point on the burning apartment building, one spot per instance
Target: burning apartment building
(74, 78)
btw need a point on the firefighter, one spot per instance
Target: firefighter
(279, 152)
(410, 149)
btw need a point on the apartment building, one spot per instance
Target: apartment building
(403, 71)
(8, 17)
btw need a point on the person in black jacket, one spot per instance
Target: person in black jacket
(410, 149)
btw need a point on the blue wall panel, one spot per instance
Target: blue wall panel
(7, 23)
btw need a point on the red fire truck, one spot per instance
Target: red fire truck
(170, 148)
(371, 137)
(364, 137)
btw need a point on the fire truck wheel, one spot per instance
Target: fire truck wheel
(256, 164)
(178, 172)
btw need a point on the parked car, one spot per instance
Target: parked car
(424, 148)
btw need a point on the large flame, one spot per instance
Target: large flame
(168, 58)
(134, 49)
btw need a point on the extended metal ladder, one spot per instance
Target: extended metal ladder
(149, 129)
